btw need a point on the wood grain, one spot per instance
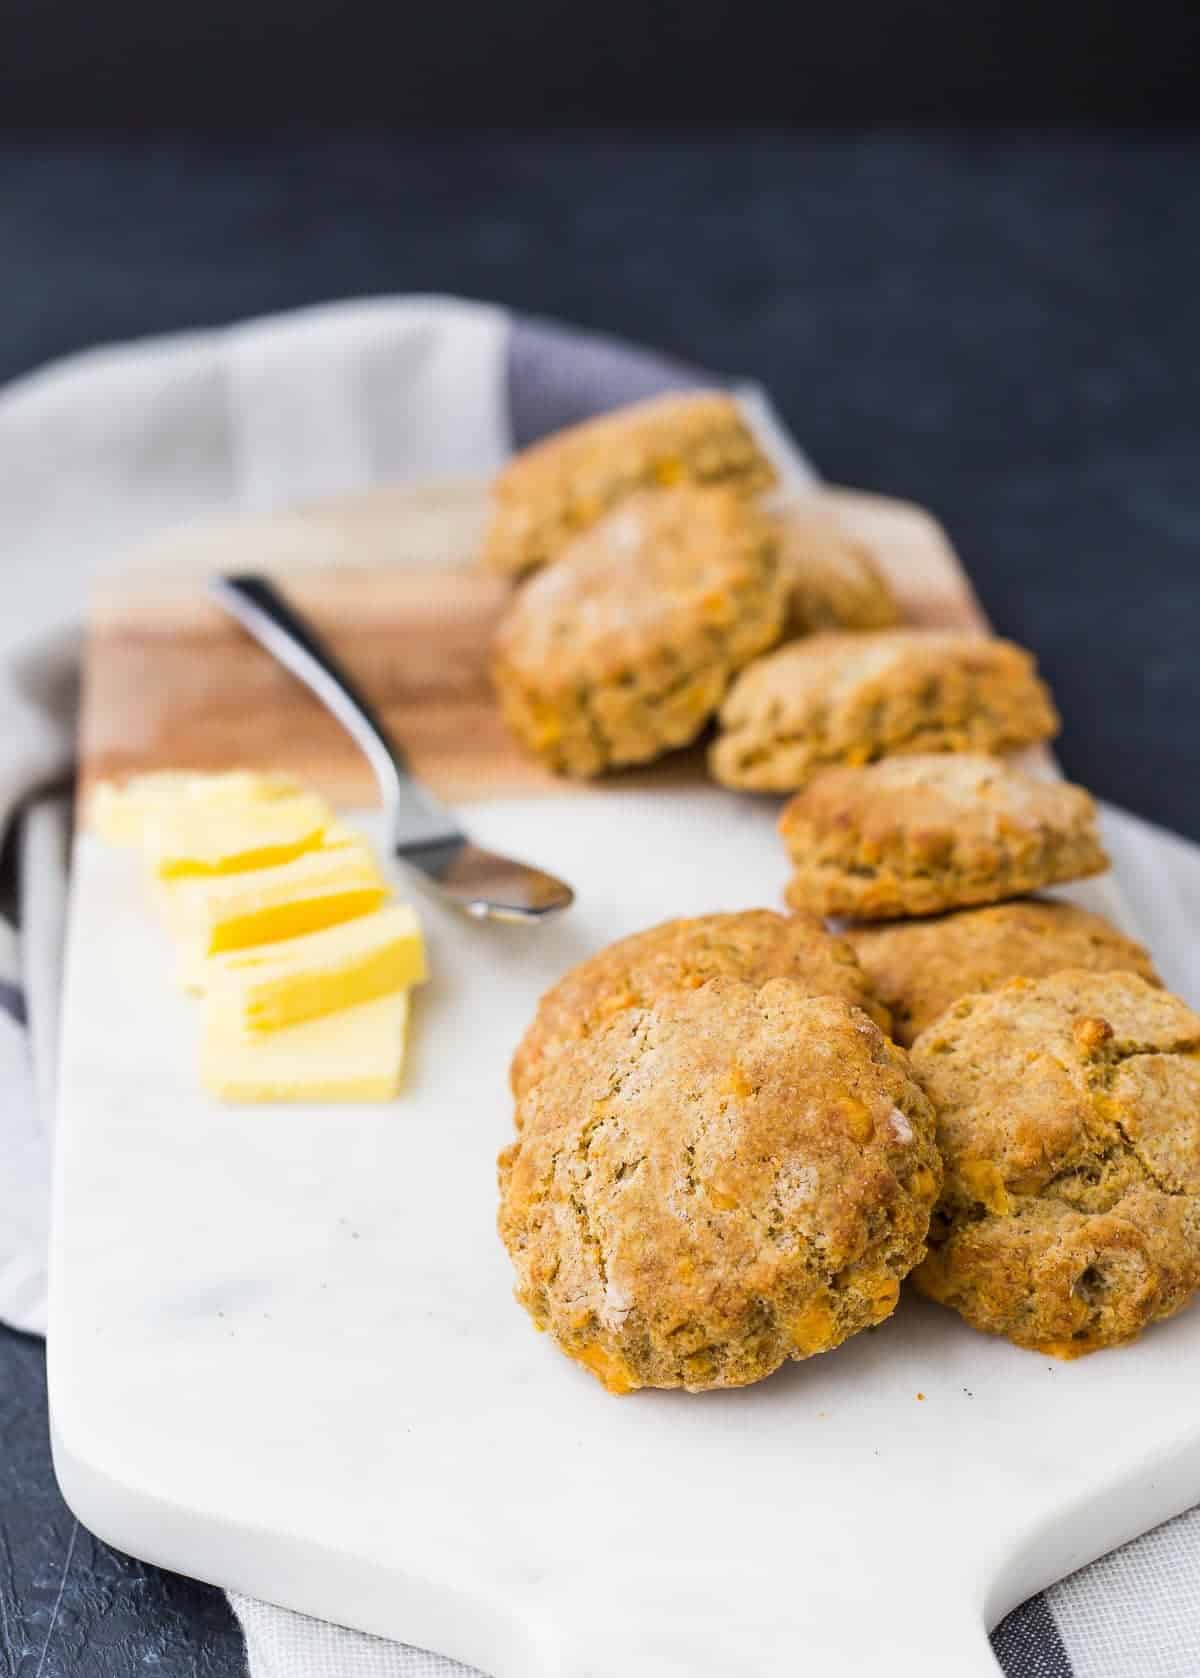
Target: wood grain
(388, 579)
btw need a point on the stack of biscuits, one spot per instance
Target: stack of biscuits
(738, 1135)
(654, 570)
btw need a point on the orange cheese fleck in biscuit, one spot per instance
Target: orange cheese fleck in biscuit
(813, 1329)
(858, 1118)
(986, 1183)
(613, 1371)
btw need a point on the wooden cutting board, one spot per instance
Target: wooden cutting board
(389, 579)
(284, 1356)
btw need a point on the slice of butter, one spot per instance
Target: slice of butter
(229, 838)
(182, 901)
(120, 812)
(354, 1055)
(273, 986)
(234, 911)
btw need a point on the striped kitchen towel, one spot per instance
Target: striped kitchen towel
(104, 450)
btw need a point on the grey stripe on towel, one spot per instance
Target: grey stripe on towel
(12, 1002)
(557, 377)
(1027, 1644)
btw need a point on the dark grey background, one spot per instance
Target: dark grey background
(1003, 326)
(262, 63)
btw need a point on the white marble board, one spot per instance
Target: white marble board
(285, 1358)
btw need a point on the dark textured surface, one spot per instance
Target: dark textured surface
(68, 1604)
(1005, 330)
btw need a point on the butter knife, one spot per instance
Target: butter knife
(423, 833)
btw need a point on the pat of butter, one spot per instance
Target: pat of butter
(229, 838)
(183, 901)
(354, 1055)
(273, 986)
(121, 812)
(233, 911)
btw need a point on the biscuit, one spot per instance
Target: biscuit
(624, 648)
(832, 577)
(681, 955)
(917, 835)
(918, 968)
(733, 1177)
(845, 698)
(560, 487)
(1068, 1116)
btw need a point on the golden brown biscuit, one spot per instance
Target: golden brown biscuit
(625, 648)
(918, 968)
(681, 955)
(833, 577)
(844, 698)
(559, 488)
(710, 1186)
(917, 835)
(1069, 1120)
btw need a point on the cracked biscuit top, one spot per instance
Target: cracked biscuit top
(1068, 1117)
(918, 968)
(558, 488)
(624, 649)
(682, 955)
(917, 835)
(843, 698)
(708, 1186)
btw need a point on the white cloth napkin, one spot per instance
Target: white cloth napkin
(109, 447)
